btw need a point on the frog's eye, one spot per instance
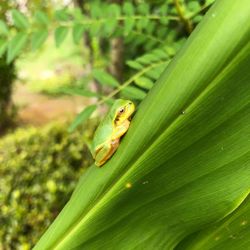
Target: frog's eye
(121, 110)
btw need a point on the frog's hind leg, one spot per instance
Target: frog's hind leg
(101, 154)
(105, 152)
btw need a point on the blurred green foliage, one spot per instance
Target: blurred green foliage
(116, 38)
(39, 169)
(53, 84)
(49, 69)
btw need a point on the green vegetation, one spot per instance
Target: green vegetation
(113, 33)
(180, 177)
(39, 169)
(184, 163)
(50, 69)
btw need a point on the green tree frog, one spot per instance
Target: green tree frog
(112, 127)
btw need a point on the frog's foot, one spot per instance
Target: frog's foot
(106, 152)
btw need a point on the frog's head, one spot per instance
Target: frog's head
(122, 110)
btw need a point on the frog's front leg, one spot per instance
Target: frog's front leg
(121, 129)
(105, 152)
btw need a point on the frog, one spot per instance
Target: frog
(107, 136)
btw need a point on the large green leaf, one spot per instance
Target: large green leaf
(231, 233)
(185, 162)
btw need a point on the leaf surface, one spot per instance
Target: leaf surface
(184, 164)
(20, 20)
(60, 35)
(38, 38)
(105, 78)
(16, 45)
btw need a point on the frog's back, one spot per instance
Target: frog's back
(102, 134)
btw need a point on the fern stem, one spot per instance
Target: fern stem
(152, 17)
(153, 38)
(90, 21)
(129, 81)
(186, 21)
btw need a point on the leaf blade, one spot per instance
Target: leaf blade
(20, 20)
(105, 78)
(133, 93)
(15, 46)
(185, 150)
(3, 28)
(144, 82)
(3, 47)
(82, 117)
(38, 38)
(77, 32)
(42, 18)
(60, 35)
(78, 91)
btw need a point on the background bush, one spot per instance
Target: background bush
(39, 169)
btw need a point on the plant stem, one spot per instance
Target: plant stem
(180, 10)
(129, 81)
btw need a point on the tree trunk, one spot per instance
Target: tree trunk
(117, 58)
(6, 83)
